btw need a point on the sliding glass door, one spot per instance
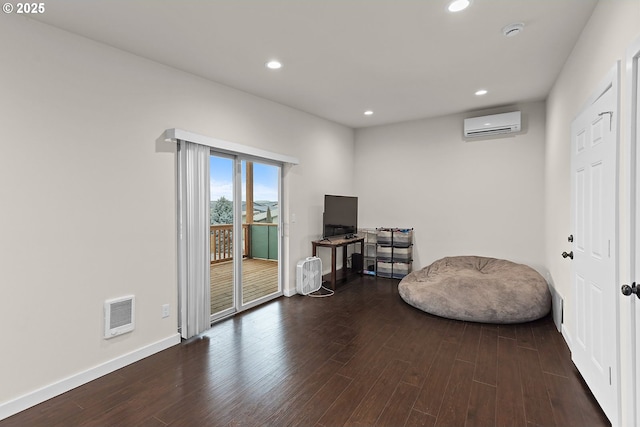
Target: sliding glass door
(260, 219)
(221, 214)
(245, 233)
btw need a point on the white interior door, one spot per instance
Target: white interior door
(635, 330)
(594, 274)
(635, 302)
(633, 81)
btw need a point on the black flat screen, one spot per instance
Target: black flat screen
(340, 215)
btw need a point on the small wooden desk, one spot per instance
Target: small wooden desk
(334, 244)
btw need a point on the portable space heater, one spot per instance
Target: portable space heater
(309, 275)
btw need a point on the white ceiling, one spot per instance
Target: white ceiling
(403, 59)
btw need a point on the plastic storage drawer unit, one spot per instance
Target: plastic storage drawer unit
(385, 236)
(385, 252)
(399, 270)
(402, 254)
(402, 237)
(384, 269)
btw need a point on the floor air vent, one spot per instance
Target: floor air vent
(119, 316)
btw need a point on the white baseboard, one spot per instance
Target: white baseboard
(567, 337)
(28, 400)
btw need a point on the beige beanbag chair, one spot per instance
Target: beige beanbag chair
(478, 289)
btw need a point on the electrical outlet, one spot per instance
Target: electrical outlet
(165, 310)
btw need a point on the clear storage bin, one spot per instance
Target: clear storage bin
(402, 237)
(384, 269)
(369, 235)
(369, 266)
(400, 269)
(385, 236)
(385, 252)
(402, 254)
(369, 250)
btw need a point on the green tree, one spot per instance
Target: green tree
(222, 211)
(269, 219)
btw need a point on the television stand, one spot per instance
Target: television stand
(334, 244)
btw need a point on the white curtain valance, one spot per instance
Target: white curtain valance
(176, 135)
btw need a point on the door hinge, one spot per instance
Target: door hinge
(610, 375)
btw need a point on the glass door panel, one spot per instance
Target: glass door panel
(221, 236)
(261, 231)
(245, 233)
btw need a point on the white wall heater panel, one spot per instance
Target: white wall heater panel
(119, 316)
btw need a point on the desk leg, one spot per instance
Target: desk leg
(333, 268)
(345, 271)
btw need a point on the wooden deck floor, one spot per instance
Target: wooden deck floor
(259, 278)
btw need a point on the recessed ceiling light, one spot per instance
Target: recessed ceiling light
(481, 92)
(458, 5)
(273, 65)
(368, 113)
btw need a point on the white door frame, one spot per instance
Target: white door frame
(238, 305)
(611, 82)
(632, 305)
(260, 155)
(237, 233)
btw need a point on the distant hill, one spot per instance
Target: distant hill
(260, 208)
(258, 205)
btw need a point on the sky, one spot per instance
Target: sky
(265, 178)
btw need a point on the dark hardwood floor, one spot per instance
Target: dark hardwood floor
(362, 357)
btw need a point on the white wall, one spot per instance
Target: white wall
(611, 29)
(476, 197)
(88, 194)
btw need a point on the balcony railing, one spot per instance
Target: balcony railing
(259, 243)
(221, 241)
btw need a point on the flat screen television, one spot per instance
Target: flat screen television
(340, 216)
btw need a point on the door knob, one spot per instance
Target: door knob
(628, 290)
(567, 255)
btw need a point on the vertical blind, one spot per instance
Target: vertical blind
(193, 238)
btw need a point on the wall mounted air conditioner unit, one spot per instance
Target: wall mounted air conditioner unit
(494, 124)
